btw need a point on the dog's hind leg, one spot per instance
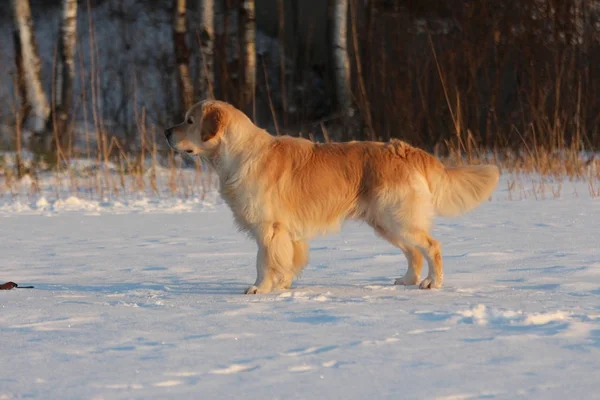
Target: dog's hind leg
(415, 265)
(409, 223)
(413, 256)
(432, 251)
(274, 261)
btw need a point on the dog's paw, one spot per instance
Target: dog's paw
(430, 283)
(406, 281)
(257, 289)
(251, 290)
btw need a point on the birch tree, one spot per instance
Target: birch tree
(65, 68)
(207, 43)
(24, 106)
(248, 31)
(341, 62)
(28, 60)
(182, 54)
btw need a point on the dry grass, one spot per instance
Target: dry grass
(153, 171)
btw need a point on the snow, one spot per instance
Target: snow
(143, 300)
(95, 207)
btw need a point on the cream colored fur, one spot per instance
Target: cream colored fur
(283, 191)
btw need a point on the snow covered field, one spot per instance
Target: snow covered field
(143, 300)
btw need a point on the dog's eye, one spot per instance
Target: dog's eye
(190, 121)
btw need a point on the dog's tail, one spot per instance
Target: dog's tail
(461, 189)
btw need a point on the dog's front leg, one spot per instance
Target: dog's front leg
(274, 261)
(261, 285)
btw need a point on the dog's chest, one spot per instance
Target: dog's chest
(244, 202)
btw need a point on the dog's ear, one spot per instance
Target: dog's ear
(213, 122)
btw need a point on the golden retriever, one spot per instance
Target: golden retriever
(283, 191)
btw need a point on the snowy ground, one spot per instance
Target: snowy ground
(143, 301)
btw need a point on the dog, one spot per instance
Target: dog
(284, 191)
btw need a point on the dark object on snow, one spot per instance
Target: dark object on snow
(8, 286)
(11, 285)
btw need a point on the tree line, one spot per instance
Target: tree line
(452, 74)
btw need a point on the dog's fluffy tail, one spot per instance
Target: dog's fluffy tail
(461, 189)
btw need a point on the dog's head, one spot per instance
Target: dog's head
(202, 130)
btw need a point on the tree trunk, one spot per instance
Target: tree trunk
(221, 47)
(21, 83)
(24, 106)
(182, 54)
(282, 58)
(341, 62)
(65, 70)
(30, 63)
(248, 31)
(206, 82)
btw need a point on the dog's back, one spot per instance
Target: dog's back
(314, 187)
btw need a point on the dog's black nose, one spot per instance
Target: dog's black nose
(168, 133)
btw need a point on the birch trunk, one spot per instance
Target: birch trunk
(206, 82)
(30, 63)
(248, 49)
(341, 62)
(182, 54)
(65, 68)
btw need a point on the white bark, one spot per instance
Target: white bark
(249, 48)
(182, 54)
(65, 68)
(340, 56)
(31, 63)
(207, 38)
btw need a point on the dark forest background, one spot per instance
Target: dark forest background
(445, 74)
